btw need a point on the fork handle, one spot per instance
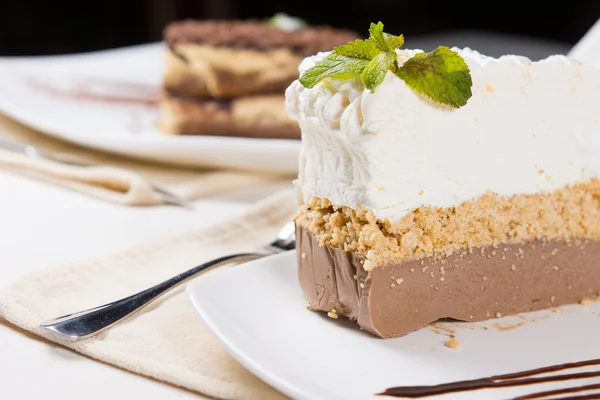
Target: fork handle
(84, 324)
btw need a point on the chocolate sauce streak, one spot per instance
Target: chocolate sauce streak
(100, 90)
(509, 380)
(576, 389)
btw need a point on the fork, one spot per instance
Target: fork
(85, 324)
(35, 153)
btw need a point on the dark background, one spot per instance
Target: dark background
(35, 27)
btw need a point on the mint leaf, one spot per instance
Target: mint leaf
(376, 34)
(374, 73)
(393, 42)
(384, 41)
(442, 75)
(366, 49)
(333, 66)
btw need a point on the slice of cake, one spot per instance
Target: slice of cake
(229, 77)
(445, 184)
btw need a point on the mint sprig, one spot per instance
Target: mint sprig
(442, 75)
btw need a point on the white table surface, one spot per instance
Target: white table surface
(42, 226)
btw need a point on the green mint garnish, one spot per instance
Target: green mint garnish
(384, 41)
(375, 71)
(441, 74)
(376, 33)
(334, 66)
(364, 49)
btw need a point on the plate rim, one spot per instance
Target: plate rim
(281, 384)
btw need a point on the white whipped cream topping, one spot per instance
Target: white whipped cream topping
(526, 129)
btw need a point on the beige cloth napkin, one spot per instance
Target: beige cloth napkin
(117, 179)
(167, 341)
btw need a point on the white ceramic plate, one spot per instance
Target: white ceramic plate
(257, 310)
(100, 100)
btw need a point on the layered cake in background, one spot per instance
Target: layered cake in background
(229, 77)
(445, 185)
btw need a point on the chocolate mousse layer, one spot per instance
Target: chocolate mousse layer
(261, 116)
(257, 35)
(474, 285)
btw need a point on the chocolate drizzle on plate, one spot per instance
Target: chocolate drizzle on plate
(100, 90)
(509, 380)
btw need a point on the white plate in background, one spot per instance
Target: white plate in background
(258, 312)
(104, 100)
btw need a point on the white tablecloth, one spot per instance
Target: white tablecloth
(43, 226)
